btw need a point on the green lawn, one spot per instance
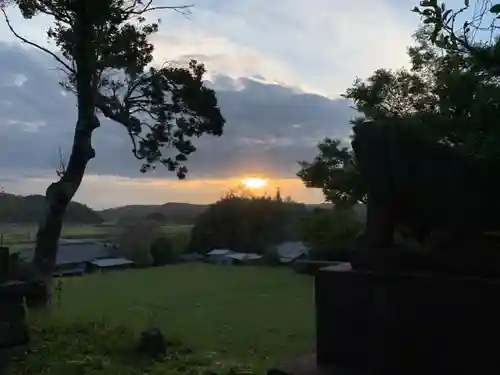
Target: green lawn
(253, 316)
(18, 236)
(25, 233)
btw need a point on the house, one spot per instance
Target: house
(109, 264)
(191, 257)
(253, 259)
(288, 252)
(219, 256)
(236, 258)
(245, 258)
(73, 256)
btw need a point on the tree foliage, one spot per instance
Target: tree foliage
(334, 171)
(330, 233)
(135, 242)
(470, 30)
(440, 98)
(246, 224)
(162, 251)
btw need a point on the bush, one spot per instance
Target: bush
(162, 251)
(135, 242)
(330, 233)
(246, 225)
(272, 257)
(179, 241)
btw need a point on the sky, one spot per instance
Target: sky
(278, 68)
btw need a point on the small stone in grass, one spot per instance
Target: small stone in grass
(152, 343)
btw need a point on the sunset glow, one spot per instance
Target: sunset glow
(254, 183)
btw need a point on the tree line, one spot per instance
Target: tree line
(247, 224)
(19, 209)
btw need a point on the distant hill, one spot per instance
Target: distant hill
(174, 213)
(19, 209)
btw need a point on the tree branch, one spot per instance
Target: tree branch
(120, 118)
(24, 40)
(182, 9)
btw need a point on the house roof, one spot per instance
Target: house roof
(292, 249)
(110, 262)
(237, 256)
(254, 256)
(79, 241)
(69, 271)
(74, 253)
(244, 256)
(219, 252)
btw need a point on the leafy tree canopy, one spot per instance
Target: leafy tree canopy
(330, 233)
(470, 30)
(439, 98)
(246, 224)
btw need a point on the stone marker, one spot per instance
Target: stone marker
(152, 343)
(13, 327)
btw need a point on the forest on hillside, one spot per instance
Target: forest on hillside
(29, 209)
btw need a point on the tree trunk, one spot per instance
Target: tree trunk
(60, 193)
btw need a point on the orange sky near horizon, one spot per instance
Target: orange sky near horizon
(202, 191)
(100, 192)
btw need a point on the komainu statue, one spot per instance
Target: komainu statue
(447, 198)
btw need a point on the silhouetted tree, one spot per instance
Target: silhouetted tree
(246, 224)
(162, 251)
(105, 51)
(330, 233)
(443, 101)
(135, 242)
(476, 40)
(334, 171)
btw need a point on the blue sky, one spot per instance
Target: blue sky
(279, 68)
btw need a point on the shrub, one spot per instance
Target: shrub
(246, 224)
(330, 233)
(135, 242)
(271, 256)
(179, 241)
(162, 251)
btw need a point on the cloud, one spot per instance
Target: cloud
(320, 45)
(269, 128)
(278, 68)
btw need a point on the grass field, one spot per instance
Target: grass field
(229, 316)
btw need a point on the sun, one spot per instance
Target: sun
(254, 182)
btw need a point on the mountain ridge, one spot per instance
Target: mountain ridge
(178, 212)
(29, 209)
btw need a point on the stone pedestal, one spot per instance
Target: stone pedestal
(407, 324)
(308, 365)
(13, 327)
